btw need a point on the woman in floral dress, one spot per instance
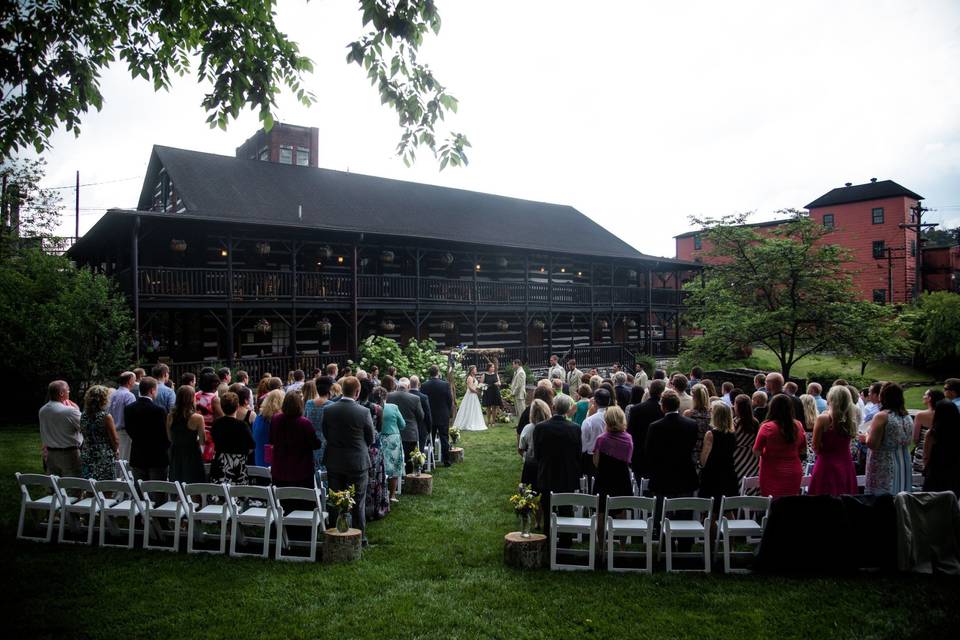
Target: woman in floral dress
(888, 440)
(100, 441)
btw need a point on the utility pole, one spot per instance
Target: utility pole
(76, 229)
(918, 225)
(890, 258)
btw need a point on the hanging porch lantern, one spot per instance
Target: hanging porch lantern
(387, 325)
(603, 324)
(262, 326)
(447, 259)
(502, 262)
(503, 325)
(539, 324)
(325, 252)
(325, 326)
(631, 323)
(263, 248)
(631, 274)
(447, 325)
(387, 257)
(177, 245)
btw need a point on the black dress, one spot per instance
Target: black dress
(719, 477)
(186, 464)
(613, 478)
(491, 395)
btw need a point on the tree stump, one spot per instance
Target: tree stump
(525, 553)
(456, 454)
(341, 547)
(418, 485)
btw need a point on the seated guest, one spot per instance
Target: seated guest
(612, 454)
(556, 448)
(348, 431)
(592, 427)
(147, 427)
(639, 418)
(232, 443)
(391, 427)
(942, 452)
(719, 477)
(100, 442)
(293, 440)
(269, 408)
(669, 450)
(745, 426)
(890, 434)
(833, 472)
(186, 434)
(539, 412)
(780, 444)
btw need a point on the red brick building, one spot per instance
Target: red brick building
(284, 144)
(866, 219)
(941, 268)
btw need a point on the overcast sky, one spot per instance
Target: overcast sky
(638, 114)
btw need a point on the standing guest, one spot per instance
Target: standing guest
(620, 389)
(375, 375)
(492, 401)
(138, 374)
(612, 454)
(208, 404)
(814, 389)
(810, 414)
(297, 383)
(293, 440)
(732, 396)
(147, 427)
(120, 399)
(223, 373)
(313, 408)
(186, 434)
(719, 476)
(262, 389)
(640, 417)
(543, 391)
(640, 379)
(696, 375)
(518, 386)
(922, 422)
(790, 388)
(871, 405)
(555, 371)
(245, 412)
(378, 491)
(780, 444)
(100, 442)
(574, 375)
(680, 384)
(775, 385)
(412, 412)
(951, 390)
(333, 370)
(591, 429)
(440, 396)
(669, 451)
(556, 448)
(376, 410)
(166, 397)
(833, 472)
(269, 408)
(427, 425)
(888, 439)
(942, 453)
(60, 431)
(760, 383)
(745, 426)
(759, 405)
(726, 388)
(539, 412)
(348, 431)
(187, 380)
(699, 412)
(243, 378)
(232, 442)
(390, 443)
(583, 396)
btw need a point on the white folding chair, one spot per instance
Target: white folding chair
(213, 508)
(172, 508)
(586, 484)
(805, 484)
(637, 524)
(429, 462)
(696, 528)
(45, 499)
(118, 499)
(259, 476)
(916, 483)
(78, 498)
(298, 518)
(123, 471)
(749, 521)
(437, 449)
(861, 483)
(244, 511)
(750, 485)
(577, 525)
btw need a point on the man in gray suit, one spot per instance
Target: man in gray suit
(348, 430)
(413, 416)
(427, 422)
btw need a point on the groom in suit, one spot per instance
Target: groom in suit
(441, 408)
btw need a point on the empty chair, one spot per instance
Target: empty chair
(78, 498)
(119, 500)
(259, 476)
(749, 521)
(162, 501)
(246, 510)
(583, 524)
(38, 494)
(213, 508)
(312, 518)
(429, 462)
(437, 448)
(695, 528)
(638, 523)
(750, 485)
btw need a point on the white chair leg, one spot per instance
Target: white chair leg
(266, 537)
(669, 546)
(706, 553)
(223, 535)
(234, 526)
(726, 554)
(277, 553)
(593, 543)
(190, 534)
(313, 542)
(649, 552)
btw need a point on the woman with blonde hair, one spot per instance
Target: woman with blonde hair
(700, 413)
(100, 441)
(539, 412)
(719, 475)
(612, 455)
(809, 418)
(833, 472)
(261, 426)
(185, 430)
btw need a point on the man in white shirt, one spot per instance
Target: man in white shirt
(298, 379)
(592, 427)
(872, 406)
(119, 400)
(556, 371)
(60, 431)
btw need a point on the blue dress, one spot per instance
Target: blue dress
(261, 438)
(314, 413)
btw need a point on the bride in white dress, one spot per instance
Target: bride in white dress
(470, 415)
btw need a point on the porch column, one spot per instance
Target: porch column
(549, 306)
(649, 313)
(476, 305)
(135, 277)
(294, 248)
(230, 285)
(354, 303)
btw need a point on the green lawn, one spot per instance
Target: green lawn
(436, 571)
(848, 368)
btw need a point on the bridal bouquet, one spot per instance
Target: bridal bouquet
(481, 387)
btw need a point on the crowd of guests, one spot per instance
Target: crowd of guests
(689, 437)
(357, 429)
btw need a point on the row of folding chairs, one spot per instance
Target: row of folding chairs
(750, 485)
(116, 506)
(635, 519)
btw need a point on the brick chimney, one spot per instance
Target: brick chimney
(284, 144)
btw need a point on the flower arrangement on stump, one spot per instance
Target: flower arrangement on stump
(454, 434)
(526, 503)
(344, 502)
(417, 458)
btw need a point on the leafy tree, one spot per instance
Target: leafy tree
(941, 237)
(881, 334)
(785, 288)
(54, 52)
(421, 354)
(935, 324)
(28, 213)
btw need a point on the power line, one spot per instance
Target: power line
(93, 184)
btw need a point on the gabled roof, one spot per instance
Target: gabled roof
(250, 191)
(862, 192)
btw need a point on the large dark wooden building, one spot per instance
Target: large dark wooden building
(271, 264)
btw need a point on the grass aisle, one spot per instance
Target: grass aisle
(436, 571)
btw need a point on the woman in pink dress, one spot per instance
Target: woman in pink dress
(780, 444)
(208, 406)
(833, 472)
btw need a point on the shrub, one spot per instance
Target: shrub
(383, 352)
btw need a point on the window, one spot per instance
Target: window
(913, 248)
(880, 296)
(280, 337)
(828, 220)
(303, 156)
(697, 243)
(264, 154)
(879, 250)
(286, 155)
(878, 215)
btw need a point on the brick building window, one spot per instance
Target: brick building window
(286, 155)
(878, 249)
(828, 220)
(913, 248)
(697, 243)
(880, 296)
(877, 215)
(263, 154)
(303, 156)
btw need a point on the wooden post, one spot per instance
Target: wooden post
(293, 305)
(476, 304)
(229, 326)
(135, 275)
(417, 258)
(354, 304)
(549, 306)
(525, 553)
(676, 317)
(649, 314)
(342, 547)
(526, 308)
